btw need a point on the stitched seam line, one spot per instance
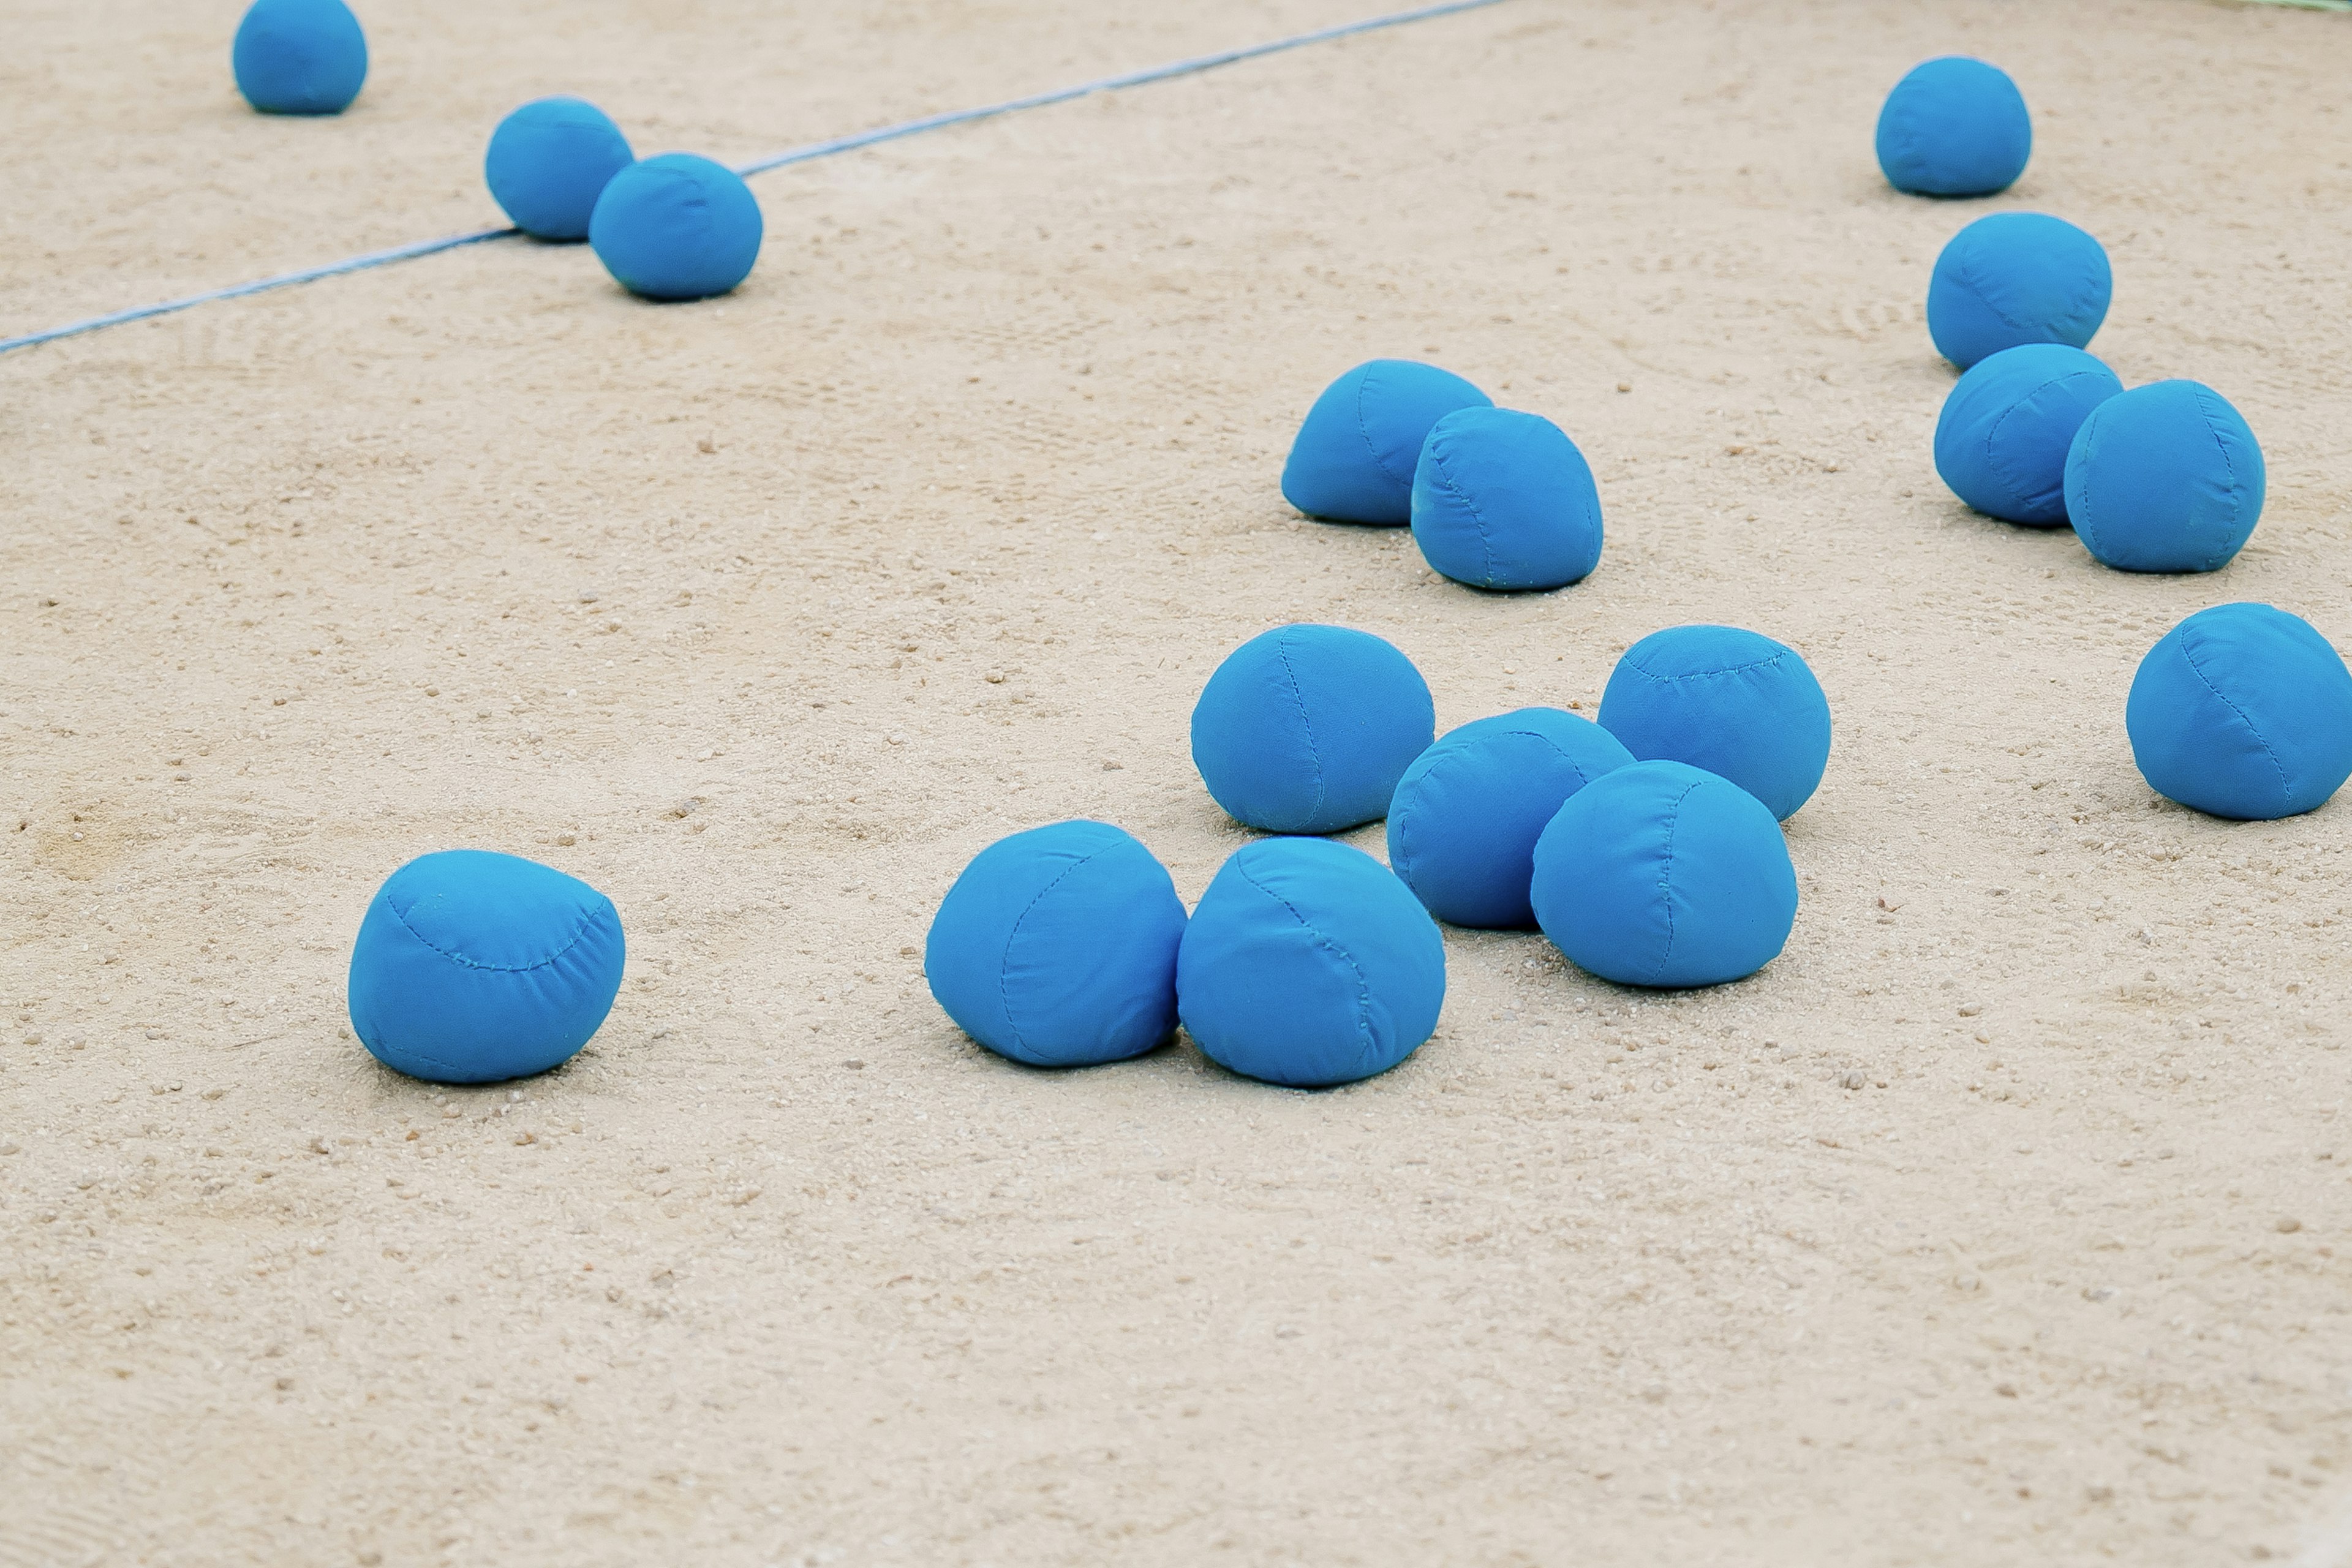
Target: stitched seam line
(1003, 993)
(458, 958)
(1665, 870)
(1485, 538)
(1366, 432)
(1363, 991)
(2222, 447)
(2286, 789)
(2086, 527)
(1968, 278)
(2009, 413)
(1712, 674)
(1299, 695)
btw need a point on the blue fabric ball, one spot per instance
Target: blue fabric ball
(300, 56)
(472, 966)
(1733, 702)
(549, 160)
(676, 226)
(1353, 460)
(1953, 127)
(2242, 710)
(1058, 947)
(1464, 823)
(1307, 963)
(1307, 728)
(1663, 874)
(2001, 440)
(1504, 499)
(2165, 478)
(2016, 277)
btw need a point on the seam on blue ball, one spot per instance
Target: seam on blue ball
(2217, 558)
(1712, 674)
(2286, 791)
(1299, 696)
(2007, 414)
(1365, 430)
(1363, 991)
(1486, 540)
(1005, 958)
(458, 958)
(1665, 873)
(1977, 290)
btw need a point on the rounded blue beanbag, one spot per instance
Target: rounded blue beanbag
(549, 160)
(1307, 963)
(300, 56)
(1354, 458)
(2242, 710)
(676, 226)
(1058, 947)
(2165, 478)
(472, 966)
(1663, 874)
(1953, 127)
(1463, 824)
(2001, 440)
(1734, 702)
(1504, 499)
(1307, 728)
(2016, 277)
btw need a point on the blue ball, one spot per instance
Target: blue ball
(1307, 963)
(549, 160)
(300, 56)
(1953, 127)
(1353, 460)
(1663, 874)
(1307, 728)
(1463, 824)
(2165, 478)
(472, 966)
(677, 227)
(1058, 947)
(1504, 499)
(1733, 702)
(2001, 440)
(2016, 277)
(2242, 710)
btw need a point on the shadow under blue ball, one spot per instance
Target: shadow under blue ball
(2245, 711)
(676, 226)
(300, 56)
(471, 967)
(1953, 127)
(1503, 500)
(1662, 874)
(549, 160)
(2013, 279)
(1058, 947)
(2165, 478)
(1466, 817)
(1307, 963)
(2003, 437)
(1733, 702)
(1353, 460)
(1307, 728)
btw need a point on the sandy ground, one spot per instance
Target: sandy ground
(2002, 1220)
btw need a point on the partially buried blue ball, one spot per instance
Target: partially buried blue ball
(471, 967)
(1307, 728)
(2165, 478)
(2016, 277)
(676, 226)
(1953, 127)
(1307, 963)
(1058, 947)
(1504, 499)
(1662, 874)
(1354, 458)
(2001, 440)
(549, 160)
(1463, 826)
(2245, 711)
(1734, 702)
(300, 56)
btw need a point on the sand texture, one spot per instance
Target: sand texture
(2003, 1220)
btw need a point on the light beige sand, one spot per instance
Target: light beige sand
(2002, 1221)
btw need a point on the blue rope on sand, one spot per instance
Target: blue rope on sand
(760, 166)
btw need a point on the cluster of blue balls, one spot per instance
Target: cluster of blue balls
(2242, 710)
(676, 226)
(1646, 845)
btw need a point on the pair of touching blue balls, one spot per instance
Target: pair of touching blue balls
(1305, 963)
(1496, 499)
